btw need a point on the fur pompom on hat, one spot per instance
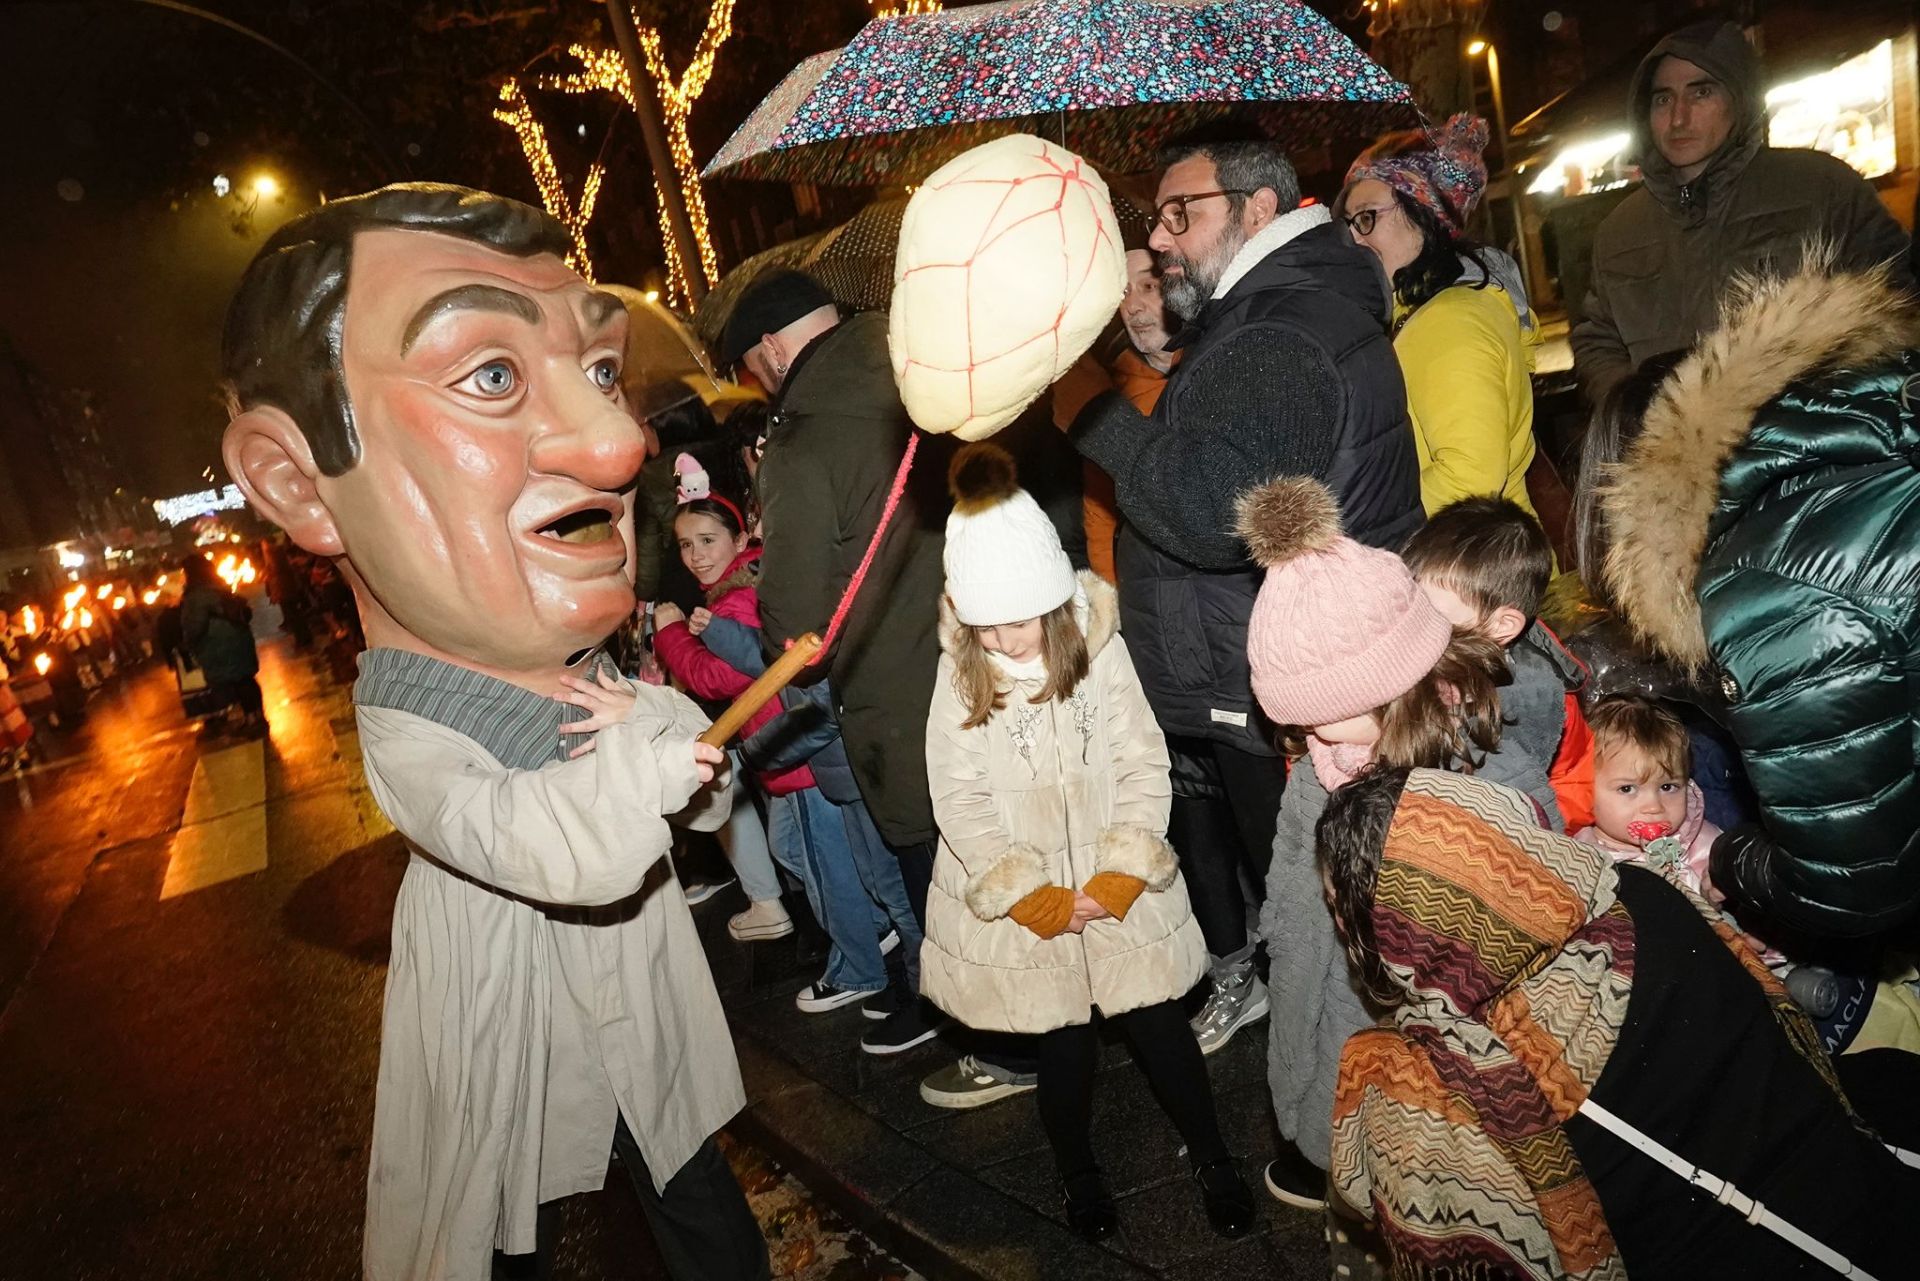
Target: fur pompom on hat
(1444, 169)
(1338, 629)
(1003, 556)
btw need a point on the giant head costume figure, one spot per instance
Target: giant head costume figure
(423, 388)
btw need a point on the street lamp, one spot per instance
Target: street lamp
(1479, 47)
(265, 186)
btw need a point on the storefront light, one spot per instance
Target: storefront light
(1845, 112)
(1581, 168)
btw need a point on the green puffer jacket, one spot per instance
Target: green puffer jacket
(1765, 527)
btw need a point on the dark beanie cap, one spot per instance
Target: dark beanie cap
(768, 305)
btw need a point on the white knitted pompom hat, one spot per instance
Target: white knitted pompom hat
(1004, 560)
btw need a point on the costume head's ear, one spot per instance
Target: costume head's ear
(268, 457)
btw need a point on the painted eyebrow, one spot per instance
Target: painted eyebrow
(468, 298)
(600, 307)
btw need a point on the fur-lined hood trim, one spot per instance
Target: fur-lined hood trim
(1660, 499)
(1101, 624)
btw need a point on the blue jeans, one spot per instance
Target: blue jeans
(809, 839)
(880, 873)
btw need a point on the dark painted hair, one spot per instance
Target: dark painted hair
(282, 341)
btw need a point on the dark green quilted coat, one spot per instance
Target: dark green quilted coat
(1808, 594)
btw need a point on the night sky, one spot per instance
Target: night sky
(118, 257)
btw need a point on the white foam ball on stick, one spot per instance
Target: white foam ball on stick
(1009, 265)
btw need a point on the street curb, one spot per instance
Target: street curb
(938, 1219)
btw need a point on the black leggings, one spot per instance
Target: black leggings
(1164, 1047)
(1218, 836)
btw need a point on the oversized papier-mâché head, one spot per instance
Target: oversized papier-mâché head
(421, 386)
(1010, 264)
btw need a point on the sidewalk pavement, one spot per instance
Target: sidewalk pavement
(972, 1194)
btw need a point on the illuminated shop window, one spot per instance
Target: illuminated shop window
(1846, 112)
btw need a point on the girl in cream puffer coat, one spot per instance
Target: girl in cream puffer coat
(1054, 891)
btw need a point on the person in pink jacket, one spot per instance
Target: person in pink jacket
(806, 830)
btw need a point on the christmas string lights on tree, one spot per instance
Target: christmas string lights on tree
(907, 10)
(604, 71)
(516, 113)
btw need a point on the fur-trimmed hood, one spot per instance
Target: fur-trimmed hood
(1667, 499)
(1102, 622)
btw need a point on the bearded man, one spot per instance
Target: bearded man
(1285, 369)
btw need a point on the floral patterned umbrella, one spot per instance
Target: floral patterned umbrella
(1113, 80)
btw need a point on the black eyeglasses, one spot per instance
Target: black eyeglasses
(1361, 221)
(1171, 213)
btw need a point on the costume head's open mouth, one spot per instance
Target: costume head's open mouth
(587, 525)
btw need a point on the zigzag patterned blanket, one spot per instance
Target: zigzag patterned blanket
(1515, 960)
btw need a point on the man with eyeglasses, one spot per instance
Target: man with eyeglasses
(1285, 368)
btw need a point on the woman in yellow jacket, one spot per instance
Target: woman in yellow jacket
(1463, 332)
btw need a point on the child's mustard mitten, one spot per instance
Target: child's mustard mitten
(1047, 911)
(1115, 891)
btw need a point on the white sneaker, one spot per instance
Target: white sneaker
(766, 919)
(1233, 1003)
(820, 996)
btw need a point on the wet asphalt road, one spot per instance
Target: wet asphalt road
(186, 1083)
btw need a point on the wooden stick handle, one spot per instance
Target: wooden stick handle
(762, 691)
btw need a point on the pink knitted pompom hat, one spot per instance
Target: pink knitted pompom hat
(1338, 629)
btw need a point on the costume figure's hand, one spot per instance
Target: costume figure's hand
(706, 760)
(697, 622)
(1086, 909)
(666, 614)
(608, 700)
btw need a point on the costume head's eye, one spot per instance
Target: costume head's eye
(605, 374)
(494, 379)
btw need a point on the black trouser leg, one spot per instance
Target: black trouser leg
(1065, 1095)
(1253, 785)
(701, 1222)
(1164, 1047)
(916, 869)
(1202, 832)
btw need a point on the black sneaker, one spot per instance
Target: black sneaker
(1293, 1180)
(914, 1023)
(820, 996)
(885, 1003)
(1228, 1203)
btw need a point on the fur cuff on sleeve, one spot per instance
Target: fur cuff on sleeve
(1134, 851)
(1013, 876)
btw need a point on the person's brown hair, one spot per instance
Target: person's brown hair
(283, 332)
(981, 686)
(1450, 719)
(1645, 725)
(1487, 551)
